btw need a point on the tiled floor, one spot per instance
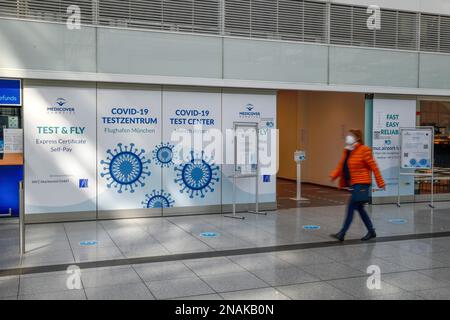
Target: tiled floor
(276, 275)
(60, 243)
(411, 269)
(317, 195)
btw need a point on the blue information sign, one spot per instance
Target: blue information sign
(10, 92)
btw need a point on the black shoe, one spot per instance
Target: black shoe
(369, 235)
(340, 236)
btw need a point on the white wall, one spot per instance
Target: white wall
(42, 50)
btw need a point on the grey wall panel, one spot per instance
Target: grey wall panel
(372, 67)
(46, 46)
(274, 61)
(162, 54)
(434, 71)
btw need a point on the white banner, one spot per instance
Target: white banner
(129, 135)
(190, 120)
(60, 148)
(389, 115)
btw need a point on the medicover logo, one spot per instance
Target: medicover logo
(61, 106)
(250, 112)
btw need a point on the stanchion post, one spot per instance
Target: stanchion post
(258, 172)
(299, 180)
(21, 218)
(234, 215)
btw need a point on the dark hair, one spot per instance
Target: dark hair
(358, 135)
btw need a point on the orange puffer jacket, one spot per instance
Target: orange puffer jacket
(360, 164)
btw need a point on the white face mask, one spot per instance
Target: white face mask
(350, 140)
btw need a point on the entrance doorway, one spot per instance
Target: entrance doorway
(317, 123)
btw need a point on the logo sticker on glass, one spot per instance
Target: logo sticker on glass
(88, 243)
(209, 234)
(398, 221)
(311, 227)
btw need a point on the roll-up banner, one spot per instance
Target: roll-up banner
(60, 148)
(389, 115)
(128, 140)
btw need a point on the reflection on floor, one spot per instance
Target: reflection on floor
(411, 269)
(318, 196)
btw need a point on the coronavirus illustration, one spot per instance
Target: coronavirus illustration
(125, 168)
(163, 155)
(158, 199)
(197, 176)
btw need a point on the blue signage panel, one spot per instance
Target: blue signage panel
(10, 176)
(10, 92)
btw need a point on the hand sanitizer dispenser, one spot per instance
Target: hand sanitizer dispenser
(299, 157)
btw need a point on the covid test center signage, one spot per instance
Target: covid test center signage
(389, 116)
(128, 138)
(112, 150)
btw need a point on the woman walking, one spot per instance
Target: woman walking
(355, 171)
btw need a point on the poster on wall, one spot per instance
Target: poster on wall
(416, 146)
(247, 107)
(389, 115)
(130, 153)
(60, 148)
(11, 142)
(191, 125)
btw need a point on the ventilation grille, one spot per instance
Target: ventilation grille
(348, 26)
(294, 20)
(49, 10)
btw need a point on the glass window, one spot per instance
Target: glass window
(437, 114)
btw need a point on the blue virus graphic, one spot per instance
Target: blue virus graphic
(163, 155)
(197, 176)
(158, 199)
(125, 168)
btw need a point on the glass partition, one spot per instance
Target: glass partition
(436, 113)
